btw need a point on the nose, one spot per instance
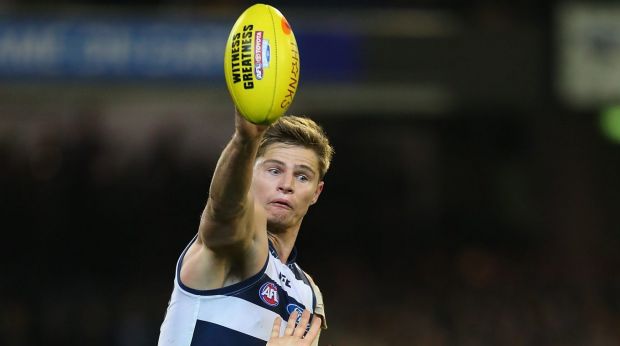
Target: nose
(287, 184)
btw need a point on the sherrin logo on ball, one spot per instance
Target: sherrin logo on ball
(261, 64)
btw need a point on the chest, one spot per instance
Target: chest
(288, 284)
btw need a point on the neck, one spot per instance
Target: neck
(283, 243)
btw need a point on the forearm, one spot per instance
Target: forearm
(232, 179)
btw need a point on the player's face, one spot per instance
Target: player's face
(286, 183)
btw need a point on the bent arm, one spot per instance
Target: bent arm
(227, 217)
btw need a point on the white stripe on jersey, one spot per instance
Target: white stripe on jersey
(247, 318)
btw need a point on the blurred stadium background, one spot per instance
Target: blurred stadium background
(473, 199)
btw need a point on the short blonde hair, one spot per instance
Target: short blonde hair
(301, 131)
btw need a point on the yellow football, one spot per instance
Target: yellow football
(261, 64)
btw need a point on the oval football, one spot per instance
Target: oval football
(261, 64)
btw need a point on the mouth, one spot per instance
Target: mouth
(281, 203)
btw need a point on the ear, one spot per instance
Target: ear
(317, 192)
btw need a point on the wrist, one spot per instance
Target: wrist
(244, 139)
(248, 131)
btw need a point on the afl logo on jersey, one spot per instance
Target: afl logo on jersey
(268, 293)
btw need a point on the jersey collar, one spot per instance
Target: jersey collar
(291, 258)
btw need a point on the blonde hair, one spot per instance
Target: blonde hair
(301, 131)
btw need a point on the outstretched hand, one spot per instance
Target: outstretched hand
(247, 129)
(294, 335)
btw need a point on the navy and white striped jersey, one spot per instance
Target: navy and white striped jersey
(242, 313)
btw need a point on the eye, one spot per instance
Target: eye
(303, 178)
(273, 171)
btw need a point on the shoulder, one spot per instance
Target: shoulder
(202, 268)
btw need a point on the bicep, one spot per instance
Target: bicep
(228, 252)
(239, 230)
(218, 234)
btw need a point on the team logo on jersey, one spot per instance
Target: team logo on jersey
(268, 293)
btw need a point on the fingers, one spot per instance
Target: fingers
(290, 325)
(275, 331)
(315, 327)
(297, 330)
(301, 326)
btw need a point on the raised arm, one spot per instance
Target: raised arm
(228, 216)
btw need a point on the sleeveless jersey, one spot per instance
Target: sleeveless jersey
(240, 314)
